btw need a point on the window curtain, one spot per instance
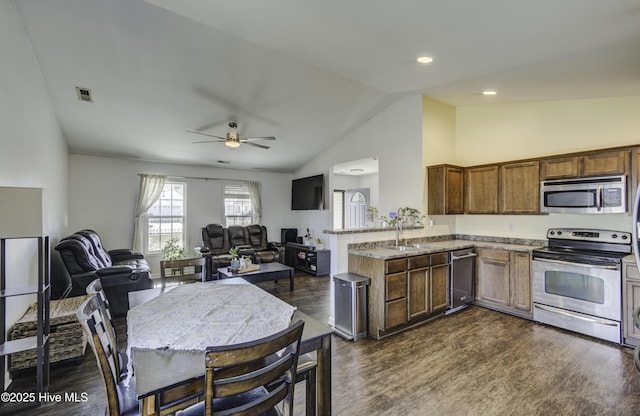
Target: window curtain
(149, 192)
(256, 200)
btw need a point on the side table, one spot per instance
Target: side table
(196, 270)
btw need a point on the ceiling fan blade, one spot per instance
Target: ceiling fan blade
(205, 134)
(257, 145)
(210, 141)
(259, 138)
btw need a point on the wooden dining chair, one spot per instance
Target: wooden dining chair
(95, 288)
(251, 378)
(306, 371)
(120, 399)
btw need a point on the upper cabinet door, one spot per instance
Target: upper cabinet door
(445, 190)
(594, 164)
(481, 190)
(605, 163)
(560, 167)
(520, 188)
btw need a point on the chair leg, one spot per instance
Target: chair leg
(310, 399)
(307, 368)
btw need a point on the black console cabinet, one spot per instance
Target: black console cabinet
(301, 257)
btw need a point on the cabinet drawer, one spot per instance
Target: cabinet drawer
(396, 313)
(396, 286)
(418, 262)
(631, 272)
(439, 258)
(494, 254)
(395, 266)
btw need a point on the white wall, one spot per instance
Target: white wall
(439, 146)
(395, 137)
(104, 192)
(497, 133)
(33, 152)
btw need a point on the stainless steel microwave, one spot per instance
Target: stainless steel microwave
(597, 195)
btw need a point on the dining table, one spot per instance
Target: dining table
(169, 329)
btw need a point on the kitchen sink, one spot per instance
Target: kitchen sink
(426, 246)
(403, 248)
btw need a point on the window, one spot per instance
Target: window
(166, 218)
(237, 204)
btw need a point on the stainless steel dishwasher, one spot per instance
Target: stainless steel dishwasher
(461, 277)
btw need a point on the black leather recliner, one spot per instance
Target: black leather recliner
(120, 271)
(250, 240)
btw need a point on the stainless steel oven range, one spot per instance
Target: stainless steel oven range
(577, 281)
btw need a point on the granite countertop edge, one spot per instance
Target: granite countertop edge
(387, 252)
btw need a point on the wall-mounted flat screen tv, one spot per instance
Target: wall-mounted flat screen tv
(307, 193)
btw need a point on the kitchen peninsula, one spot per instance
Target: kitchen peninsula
(410, 283)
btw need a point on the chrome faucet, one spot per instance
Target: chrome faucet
(398, 226)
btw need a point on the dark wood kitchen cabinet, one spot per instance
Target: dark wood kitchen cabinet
(403, 291)
(503, 281)
(520, 188)
(428, 278)
(481, 190)
(445, 190)
(395, 293)
(607, 162)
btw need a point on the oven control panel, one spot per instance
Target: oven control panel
(587, 234)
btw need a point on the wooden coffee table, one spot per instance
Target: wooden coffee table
(268, 271)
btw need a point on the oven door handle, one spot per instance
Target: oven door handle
(593, 266)
(566, 313)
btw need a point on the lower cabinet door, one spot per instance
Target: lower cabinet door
(396, 312)
(418, 292)
(439, 287)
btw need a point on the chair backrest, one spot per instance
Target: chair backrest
(98, 248)
(215, 238)
(94, 324)
(78, 254)
(268, 362)
(257, 236)
(95, 288)
(237, 236)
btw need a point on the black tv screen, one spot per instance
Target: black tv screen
(307, 193)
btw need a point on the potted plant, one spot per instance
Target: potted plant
(235, 263)
(172, 250)
(410, 215)
(372, 215)
(306, 239)
(319, 244)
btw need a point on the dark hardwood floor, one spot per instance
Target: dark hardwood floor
(475, 362)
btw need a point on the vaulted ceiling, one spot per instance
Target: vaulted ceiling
(307, 72)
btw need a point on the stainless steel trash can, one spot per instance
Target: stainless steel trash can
(350, 295)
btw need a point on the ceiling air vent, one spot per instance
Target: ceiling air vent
(84, 94)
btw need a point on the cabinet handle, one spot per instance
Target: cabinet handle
(566, 313)
(466, 256)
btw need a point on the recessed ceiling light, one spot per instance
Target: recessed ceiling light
(489, 92)
(425, 59)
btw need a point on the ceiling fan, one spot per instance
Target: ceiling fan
(233, 140)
